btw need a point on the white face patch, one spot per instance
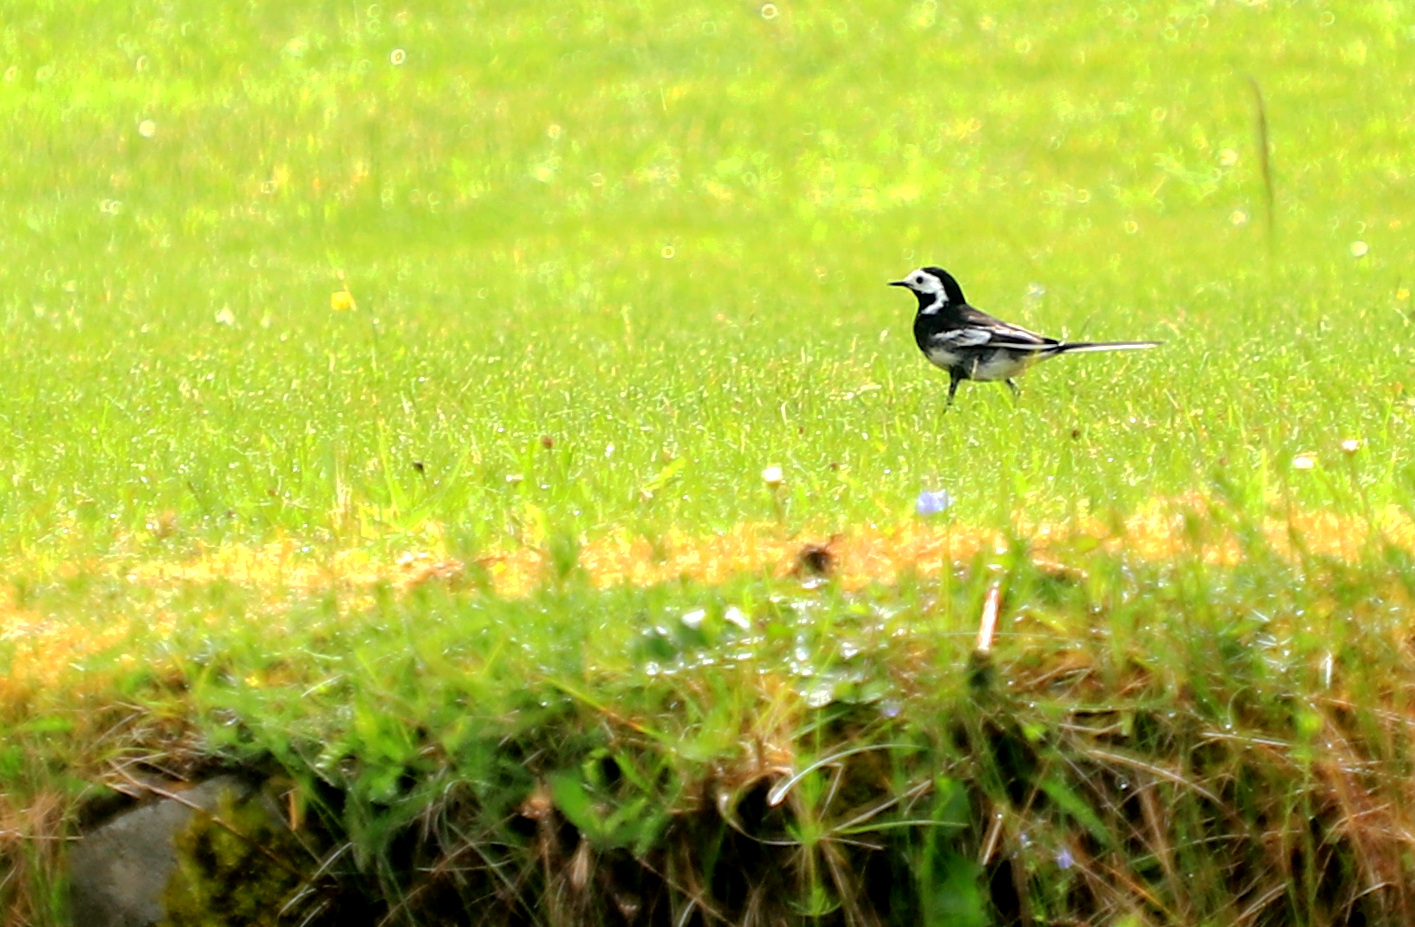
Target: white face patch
(926, 284)
(922, 282)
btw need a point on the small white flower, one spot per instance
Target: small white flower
(147, 128)
(1359, 249)
(1351, 445)
(398, 57)
(772, 476)
(1304, 462)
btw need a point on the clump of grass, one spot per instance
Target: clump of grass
(31, 853)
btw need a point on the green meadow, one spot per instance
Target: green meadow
(391, 397)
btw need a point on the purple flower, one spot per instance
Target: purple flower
(1064, 859)
(932, 503)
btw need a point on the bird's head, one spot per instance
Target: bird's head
(934, 286)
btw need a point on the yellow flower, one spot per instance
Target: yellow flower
(340, 300)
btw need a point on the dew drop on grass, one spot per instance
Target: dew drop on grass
(932, 503)
(821, 695)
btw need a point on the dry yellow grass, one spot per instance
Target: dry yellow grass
(1167, 529)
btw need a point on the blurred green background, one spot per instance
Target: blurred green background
(611, 260)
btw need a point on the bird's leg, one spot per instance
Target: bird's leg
(953, 381)
(1016, 390)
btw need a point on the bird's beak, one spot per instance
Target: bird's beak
(899, 283)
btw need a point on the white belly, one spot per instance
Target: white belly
(983, 365)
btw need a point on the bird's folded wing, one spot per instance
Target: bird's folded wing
(962, 338)
(1000, 335)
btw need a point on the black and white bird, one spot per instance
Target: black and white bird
(972, 345)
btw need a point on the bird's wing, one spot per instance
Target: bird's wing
(980, 330)
(962, 338)
(1017, 338)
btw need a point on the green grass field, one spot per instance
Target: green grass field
(357, 356)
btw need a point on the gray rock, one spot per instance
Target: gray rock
(117, 872)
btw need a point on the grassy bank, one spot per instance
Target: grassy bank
(387, 394)
(1148, 742)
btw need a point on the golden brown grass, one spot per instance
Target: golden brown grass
(1164, 530)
